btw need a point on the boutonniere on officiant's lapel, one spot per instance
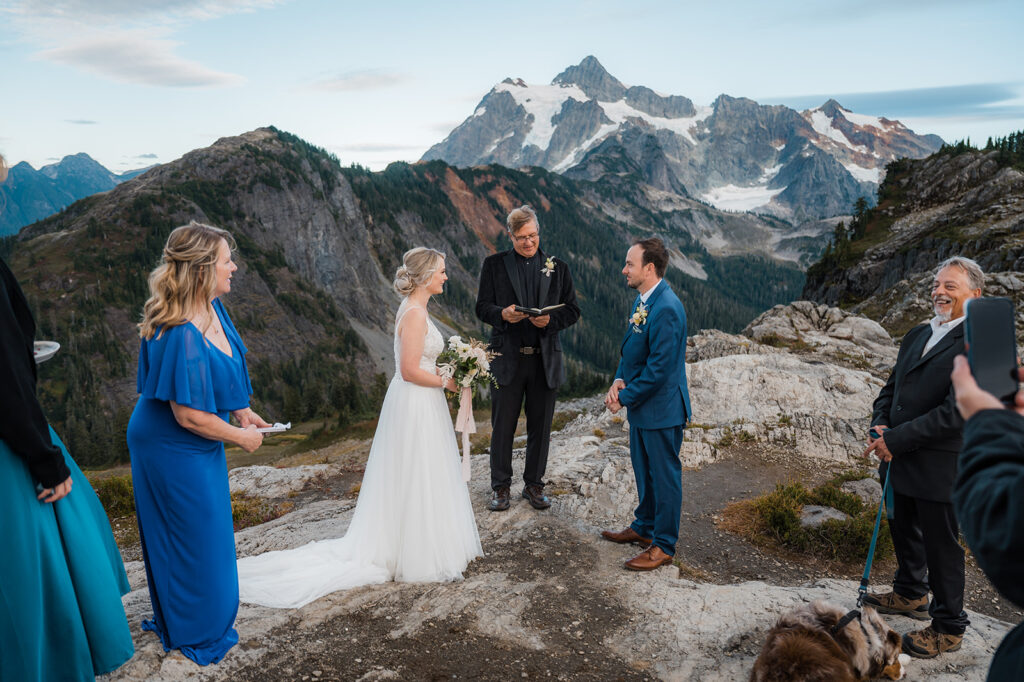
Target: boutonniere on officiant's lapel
(639, 318)
(549, 266)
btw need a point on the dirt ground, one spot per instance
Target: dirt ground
(577, 616)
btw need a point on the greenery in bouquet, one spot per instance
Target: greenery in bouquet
(467, 362)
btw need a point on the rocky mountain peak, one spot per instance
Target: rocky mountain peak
(592, 79)
(832, 107)
(736, 155)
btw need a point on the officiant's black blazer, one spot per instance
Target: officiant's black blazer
(919, 407)
(500, 288)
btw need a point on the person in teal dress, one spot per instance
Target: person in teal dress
(61, 576)
(192, 379)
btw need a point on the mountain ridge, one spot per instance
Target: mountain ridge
(735, 154)
(29, 195)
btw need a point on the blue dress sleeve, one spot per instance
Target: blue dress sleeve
(236, 339)
(176, 366)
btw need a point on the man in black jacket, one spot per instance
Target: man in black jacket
(919, 438)
(530, 360)
(988, 497)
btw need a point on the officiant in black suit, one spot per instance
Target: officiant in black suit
(530, 364)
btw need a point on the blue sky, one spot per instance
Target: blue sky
(136, 82)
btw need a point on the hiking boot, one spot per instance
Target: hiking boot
(898, 605)
(928, 643)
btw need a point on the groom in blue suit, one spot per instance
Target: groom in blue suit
(651, 382)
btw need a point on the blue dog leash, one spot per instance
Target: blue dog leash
(886, 501)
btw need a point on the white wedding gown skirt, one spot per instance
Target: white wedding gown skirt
(413, 521)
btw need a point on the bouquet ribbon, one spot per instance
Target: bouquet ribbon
(465, 423)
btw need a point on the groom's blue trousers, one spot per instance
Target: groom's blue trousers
(659, 483)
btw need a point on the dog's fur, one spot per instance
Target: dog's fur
(801, 648)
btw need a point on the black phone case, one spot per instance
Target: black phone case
(992, 345)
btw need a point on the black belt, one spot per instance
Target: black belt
(529, 350)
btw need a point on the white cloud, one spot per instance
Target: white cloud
(125, 40)
(102, 12)
(371, 79)
(134, 57)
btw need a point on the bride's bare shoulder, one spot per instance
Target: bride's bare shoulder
(413, 318)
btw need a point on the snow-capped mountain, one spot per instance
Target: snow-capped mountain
(735, 154)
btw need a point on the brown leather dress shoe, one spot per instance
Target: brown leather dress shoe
(625, 536)
(649, 559)
(535, 494)
(500, 499)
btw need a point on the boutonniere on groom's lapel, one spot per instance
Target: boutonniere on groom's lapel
(639, 318)
(549, 266)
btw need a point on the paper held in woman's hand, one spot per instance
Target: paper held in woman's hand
(535, 312)
(44, 350)
(276, 428)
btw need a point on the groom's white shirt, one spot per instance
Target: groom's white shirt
(645, 296)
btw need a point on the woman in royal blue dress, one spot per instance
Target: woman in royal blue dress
(61, 578)
(192, 378)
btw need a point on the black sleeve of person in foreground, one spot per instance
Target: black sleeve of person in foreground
(23, 426)
(988, 497)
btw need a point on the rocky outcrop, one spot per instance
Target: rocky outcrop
(267, 481)
(827, 332)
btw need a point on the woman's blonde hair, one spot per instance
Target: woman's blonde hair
(186, 276)
(418, 266)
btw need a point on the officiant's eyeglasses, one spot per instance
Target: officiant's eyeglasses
(522, 239)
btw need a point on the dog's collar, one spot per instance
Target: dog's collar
(844, 621)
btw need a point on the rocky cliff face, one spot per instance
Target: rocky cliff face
(318, 245)
(949, 204)
(736, 154)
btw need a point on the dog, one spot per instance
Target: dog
(820, 642)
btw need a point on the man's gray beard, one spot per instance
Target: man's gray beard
(943, 317)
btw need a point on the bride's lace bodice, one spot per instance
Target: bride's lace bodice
(433, 343)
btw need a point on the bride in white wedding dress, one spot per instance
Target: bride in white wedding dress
(413, 521)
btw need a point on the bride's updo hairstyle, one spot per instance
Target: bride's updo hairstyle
(418, 266)
(186, 276)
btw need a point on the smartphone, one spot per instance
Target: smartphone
(992, 346)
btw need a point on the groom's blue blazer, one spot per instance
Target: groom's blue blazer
(653, 363)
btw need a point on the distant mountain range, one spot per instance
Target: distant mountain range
(29, 195)
(735, 154)
(318, 245)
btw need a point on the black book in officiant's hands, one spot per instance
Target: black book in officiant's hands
(537, 312)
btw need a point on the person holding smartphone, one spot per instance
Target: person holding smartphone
(988, 497)
(918, 439)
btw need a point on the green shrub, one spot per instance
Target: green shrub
(116, 495)
(847, 540)
(249, 511)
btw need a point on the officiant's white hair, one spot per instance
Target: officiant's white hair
(418, 266)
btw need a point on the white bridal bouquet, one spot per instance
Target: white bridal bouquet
(469, 364)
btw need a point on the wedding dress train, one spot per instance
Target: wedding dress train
(413, 521)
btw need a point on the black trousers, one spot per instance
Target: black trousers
(926, 537)
(530, 383)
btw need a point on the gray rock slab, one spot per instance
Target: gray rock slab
(813, 515)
